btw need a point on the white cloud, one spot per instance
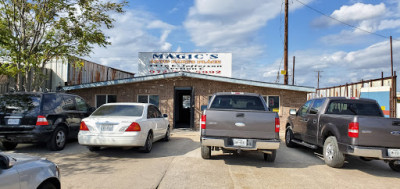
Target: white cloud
(359, 12)
(135, 31)
(365, 18)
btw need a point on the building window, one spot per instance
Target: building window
(272, 103)
(153, 99)
(103, 99)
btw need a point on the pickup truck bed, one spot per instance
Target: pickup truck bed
(239, 121)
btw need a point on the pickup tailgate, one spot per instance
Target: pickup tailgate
(379, 132)
(240, 124)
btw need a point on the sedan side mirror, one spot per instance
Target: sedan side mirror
(165, 115)
(292, 112)
(6, 162)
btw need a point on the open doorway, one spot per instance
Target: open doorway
(183, 107)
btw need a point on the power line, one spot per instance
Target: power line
(347, 24)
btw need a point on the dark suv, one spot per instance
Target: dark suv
(51, 118)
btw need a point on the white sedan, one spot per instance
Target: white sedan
(124, 124)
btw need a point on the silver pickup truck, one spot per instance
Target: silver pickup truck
(239, 121)
(345, 126)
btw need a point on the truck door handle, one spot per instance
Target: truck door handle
(238, 124)
(240, 115)
(314, 121)
(305, 119)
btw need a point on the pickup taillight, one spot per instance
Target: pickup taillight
(277, 125)
(203, 122)
(353, 129)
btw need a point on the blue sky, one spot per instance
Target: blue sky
(253, 32)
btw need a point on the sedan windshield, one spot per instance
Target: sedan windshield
(119, 110)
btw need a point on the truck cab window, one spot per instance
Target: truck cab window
(316, 107)
(303, 110)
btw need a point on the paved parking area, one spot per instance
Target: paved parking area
(178, 164)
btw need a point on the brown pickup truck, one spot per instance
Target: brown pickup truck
(345, 126)
(239, 122)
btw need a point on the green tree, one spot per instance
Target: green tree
(34, 32)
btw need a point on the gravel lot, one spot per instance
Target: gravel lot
(177, 164)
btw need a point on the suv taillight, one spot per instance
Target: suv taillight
(203, 122)
(353, 129)
(41, 120)
(277, 125)
(83, 126)
(134, 127)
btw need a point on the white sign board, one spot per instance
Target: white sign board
(219, 64)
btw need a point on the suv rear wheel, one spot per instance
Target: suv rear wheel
(9, 145)
(58, 139)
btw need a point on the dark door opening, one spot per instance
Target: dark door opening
(183, 107)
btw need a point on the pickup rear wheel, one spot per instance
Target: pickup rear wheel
(395, 165)
(270, 157)
(206, 152)
(332, 156)
(289, 138)
(9, 145)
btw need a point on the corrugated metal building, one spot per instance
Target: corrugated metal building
(66, 72)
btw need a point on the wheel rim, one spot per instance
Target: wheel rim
(287, 136)
(329, 151)
(60, 138)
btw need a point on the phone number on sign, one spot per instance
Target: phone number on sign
(201, 72)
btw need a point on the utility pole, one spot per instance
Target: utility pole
(294, 61)
(393, 99)
(286, 42)
(318, 71)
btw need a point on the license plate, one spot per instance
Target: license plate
(106, 128)
(394, 152)
(13, 122)
(240, 142)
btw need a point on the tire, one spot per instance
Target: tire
(270, 157)
(58, 139)
(47, 185)
(148, 144)
(93, 148)
(167, 135)
(9, 145)
(395, 166)
(289, 138)
(332, 156)
(206, 152)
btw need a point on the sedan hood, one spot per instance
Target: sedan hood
(21, 158)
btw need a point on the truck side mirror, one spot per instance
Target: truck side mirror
(292, 112)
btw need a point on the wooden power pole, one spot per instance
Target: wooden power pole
(286, 42)
(318, 71)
